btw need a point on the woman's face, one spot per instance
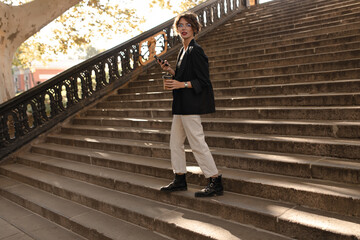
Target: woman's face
(185, 29)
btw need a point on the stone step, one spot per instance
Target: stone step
(347, 113)
(318, 59)
(18, 223)
(97, 203)
(286, 67)
(285, 38)
(151, 84)
(296, 49)
(148, 187)
(230, 72)
(310, 8)
(328, 146)
(223, 88)
(295, 165)
(320, 44)
(293, 16)
(274, 44)
(286, 34)
(285, 23)
(154, 84)
(332, 25)
(297, 18)
(324, 99)
(86, 221)
(286, 57)
(146, 143)
(311, 193)
(226, 73)
(338, 129)
(281, 6)
(276, 9)
(352, 73)
(231, 62)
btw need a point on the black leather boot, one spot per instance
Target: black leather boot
(215, 188)
(179, 184)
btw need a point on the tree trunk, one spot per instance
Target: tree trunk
(18, 23)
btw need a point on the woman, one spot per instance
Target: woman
(192, 96)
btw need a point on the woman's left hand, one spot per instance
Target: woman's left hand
(172, 84)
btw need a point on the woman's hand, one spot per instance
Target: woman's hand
(166, 67)
(171, 84)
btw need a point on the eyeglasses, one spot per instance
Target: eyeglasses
(188, 25)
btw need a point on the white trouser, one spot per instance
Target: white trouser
(190, 126)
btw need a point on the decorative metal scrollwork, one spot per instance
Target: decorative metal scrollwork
(154, 45)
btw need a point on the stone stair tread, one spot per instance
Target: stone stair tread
(309, 185)
(248, 54)
(110, 140)
(18, 223)
(286, 34)
(231, 79)
(257, 86)
(231, 120)
(287, 23)
(8, 232)
(253, 81)
(268, 44)
(214, 69)
(297, 74)
(265, 156)
(267, 207)
(109, 155)
(295, 84)
(255, 112)
(119, 129)
(312, 139)
(206, 225)
(144, 93)
(256, 19)
(234, 136)
(222, 151)
(136, 119)
(104, 224)
(230, 61)
(288, 107)
(238, 108)
(314, 8)
(300, 95)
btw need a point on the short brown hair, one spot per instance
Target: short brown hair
(191, 18)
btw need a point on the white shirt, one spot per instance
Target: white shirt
(181, 57)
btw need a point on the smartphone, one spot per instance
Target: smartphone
(159, 59)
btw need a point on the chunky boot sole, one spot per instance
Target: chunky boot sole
(174, 189)
(201, 194)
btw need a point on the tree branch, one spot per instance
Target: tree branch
(27, 19)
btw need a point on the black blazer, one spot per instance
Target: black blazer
(194, 68)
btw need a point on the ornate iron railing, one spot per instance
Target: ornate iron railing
(39, 109)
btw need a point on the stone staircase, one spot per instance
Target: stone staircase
(286, 137)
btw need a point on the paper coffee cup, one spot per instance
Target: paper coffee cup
(166, 77)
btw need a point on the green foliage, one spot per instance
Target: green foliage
(87, 52)
(80, 25)
(177, 6)
(76, 28)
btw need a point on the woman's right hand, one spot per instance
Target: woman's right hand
(165, 65)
